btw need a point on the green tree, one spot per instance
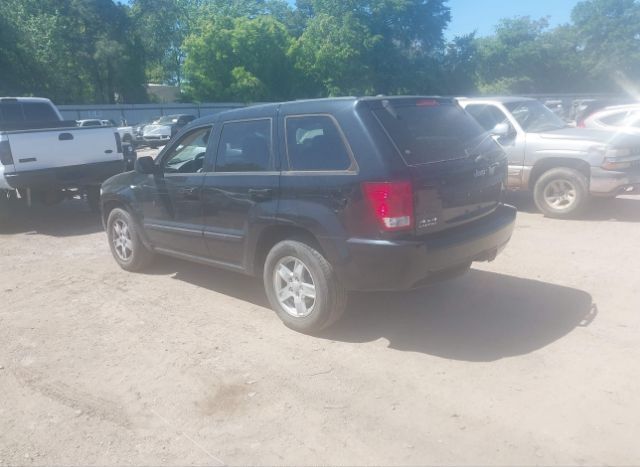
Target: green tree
(73, 50)
(609, 39)
(334, 56)
(524, 56)
(239, 59)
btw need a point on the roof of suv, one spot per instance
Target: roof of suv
(304, 106)
(499, 99)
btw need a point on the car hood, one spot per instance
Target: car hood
(157, 130)
(611, 138)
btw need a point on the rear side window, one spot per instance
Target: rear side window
(426, 130)
(11, 112)
(314, 143)
(245, 146)
(38, 112)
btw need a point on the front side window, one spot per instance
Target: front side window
(187, 156)
(488, 116)
(314, 143)
(534, 117)
(245, 146)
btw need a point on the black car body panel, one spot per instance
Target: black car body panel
(276, 179)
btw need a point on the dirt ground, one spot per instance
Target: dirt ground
(531, 359)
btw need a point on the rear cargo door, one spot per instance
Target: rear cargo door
(62, 147)
(457, 169)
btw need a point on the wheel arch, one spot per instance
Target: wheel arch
(549, 163)
(272, 235)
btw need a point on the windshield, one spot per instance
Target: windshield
(534, 117)
(432, 131)
(166, 120)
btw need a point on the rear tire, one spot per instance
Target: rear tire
(126, 245)
(302, 287)
(561, 193)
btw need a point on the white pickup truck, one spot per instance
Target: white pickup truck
(44, 158)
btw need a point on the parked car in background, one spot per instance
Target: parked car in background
(161, 131)
(46, 159)
(622, 118)
(125, 132)
(89, 122)
(562, 166)
(583, 108)
(319, 197)
(138, 131)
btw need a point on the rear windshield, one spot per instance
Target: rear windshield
(429, 130)
(15, 112)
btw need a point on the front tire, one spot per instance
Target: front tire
(561, 193)
(124, 240)
(302, 287)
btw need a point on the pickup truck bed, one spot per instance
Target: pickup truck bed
(43, 157)
(58, 157)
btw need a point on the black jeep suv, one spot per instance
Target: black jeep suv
(319, 197)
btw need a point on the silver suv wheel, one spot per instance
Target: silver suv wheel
(294, 287)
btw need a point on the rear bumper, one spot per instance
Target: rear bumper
(611, 183)
(65, 177)
(402, 265)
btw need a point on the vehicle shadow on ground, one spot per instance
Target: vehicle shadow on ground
(625, 209)
(482, 316)
(67, 219)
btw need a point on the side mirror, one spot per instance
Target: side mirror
(130, 156)
(501, 130)
(146, 165)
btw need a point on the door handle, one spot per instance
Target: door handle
(189, 193)
(260, 194)
(65, 137)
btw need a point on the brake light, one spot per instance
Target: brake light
(427, 103)
(6, 158)
(581, 124)
(392, 204)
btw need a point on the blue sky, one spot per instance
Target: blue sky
(482, 15)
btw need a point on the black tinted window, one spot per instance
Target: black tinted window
(245, 147)
(38, 112)
(11, 112)
(429, 130)
(314, 143)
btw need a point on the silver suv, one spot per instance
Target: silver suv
(563, 166)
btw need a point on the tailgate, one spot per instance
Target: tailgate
(62, 147)
(457, 169)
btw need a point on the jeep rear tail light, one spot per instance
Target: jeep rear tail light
(6, 158)
(392, 204)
